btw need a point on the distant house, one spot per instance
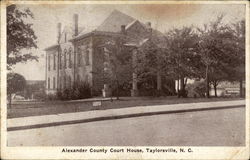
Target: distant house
(78, 56)
(227, 89)
(34, 88)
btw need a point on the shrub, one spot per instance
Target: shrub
(183, 93)
(197, 89)
(78, 91)
(84, 90)
(59, 94)
(40, 95)
(51, 97)
(66, 94)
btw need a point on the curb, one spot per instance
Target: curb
(118, 117)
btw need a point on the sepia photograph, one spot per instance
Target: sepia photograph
(125, 75)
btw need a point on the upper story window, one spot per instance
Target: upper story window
(49, 62)
(70, 61)
(79, 56)
(87, 57)
(65, 58)
(54, 58)
(60, 60)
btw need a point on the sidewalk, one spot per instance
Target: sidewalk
(98, 115)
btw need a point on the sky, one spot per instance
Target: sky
(163, 17)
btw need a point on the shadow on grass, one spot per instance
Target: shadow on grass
(59, 107)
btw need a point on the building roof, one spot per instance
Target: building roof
(112, 25)
(114, 21)
(226, 84)
(33, 82)
(51, 47)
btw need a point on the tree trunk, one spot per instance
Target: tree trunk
(182, 84)
(215, 90)
(177, 90)
(182, 92)
(117, 90)
(10, 101)
(241, 88)
(158, 83)
(185, 82)
(207, 82)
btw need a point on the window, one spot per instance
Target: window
(54, 62)
(54, 82)
(65, 78)
(78, 78)
(65, 58)
(70, 52)
(79, 56)
(48, 83)
(49, 62)
(61, 83)
(87, 57)
(87, 78)
(106, 55)
(65, 37)
(60, 60)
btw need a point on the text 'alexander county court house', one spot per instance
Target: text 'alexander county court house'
(78, 54)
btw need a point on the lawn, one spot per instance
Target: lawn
(58, 107)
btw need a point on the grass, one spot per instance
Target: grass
(58, 107)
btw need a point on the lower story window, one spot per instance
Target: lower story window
(48, 83)
(54, 82)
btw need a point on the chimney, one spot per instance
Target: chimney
(123, 29)
(148, 24)
(76, 24)
(59, 28)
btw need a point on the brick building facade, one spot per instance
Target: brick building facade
(78, 55)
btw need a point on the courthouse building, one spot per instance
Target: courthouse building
(77, 56)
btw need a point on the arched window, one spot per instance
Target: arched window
(70, 61)
(65, 58)
(54, 58)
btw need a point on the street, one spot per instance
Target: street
(223, 127)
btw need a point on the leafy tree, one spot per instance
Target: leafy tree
(15, 83)
(239, 50)
(20, 35)
(216, 51)
(149, 66)
(182, 59)
(117, 64)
